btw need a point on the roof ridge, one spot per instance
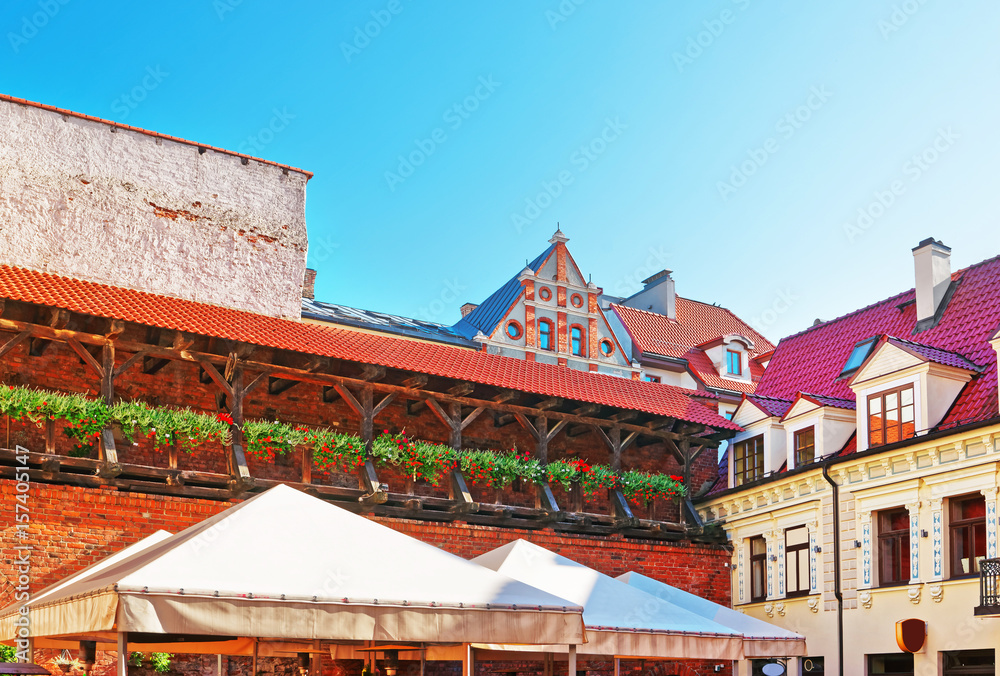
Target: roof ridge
(958, 273)
(147, 132)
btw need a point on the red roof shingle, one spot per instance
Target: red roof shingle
(422, 357)
(696, 323)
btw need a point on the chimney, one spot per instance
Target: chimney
(467, 308)
(309, 284)
(932, 265)
(658, 295)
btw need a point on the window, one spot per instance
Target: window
(734, 363)
(576, 300)
(607, 347)
(576, 341)
(858, 355)
(651, 379)
(748, 460)
(893, 663)
(893, 547)
(890, 416)
(797, 561)
(758, 569)
(967, 528)
(969, 662)
(730, 414)
(545, 293)
(545, 335)
(513, 329)
(805, 446)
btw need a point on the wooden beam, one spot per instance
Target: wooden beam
(372, 372)
(416, 382)
(462, 389)
(58, 319)
(623, 416)
(217, 378)
(505, 396)
(578, 431)
(587, 410)
(115, 328)
(550, 403)
(14, 342)
(87, 358)
(330, 379)
(129, 362)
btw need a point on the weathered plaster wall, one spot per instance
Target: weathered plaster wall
(89, 200)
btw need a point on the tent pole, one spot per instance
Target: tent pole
(571, 665)
(618, 666)
(423, 658)
(218, 666)
(254, 658)
(122, 660)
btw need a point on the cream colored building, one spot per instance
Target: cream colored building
(863, 490)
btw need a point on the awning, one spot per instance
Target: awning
(760, 639)
(287, 565)
(621, 620)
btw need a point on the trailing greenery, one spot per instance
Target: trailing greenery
(7, 653)
(331, 450)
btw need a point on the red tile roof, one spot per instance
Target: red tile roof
(422, 357)
(933, 354)
(812, 360)
(770, 405)
(696, 324)
(155, 134)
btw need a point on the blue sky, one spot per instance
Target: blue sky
(732, 141)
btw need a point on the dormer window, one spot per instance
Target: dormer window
(734, 363)
(891, 416)
(805, 446)
(748, 460)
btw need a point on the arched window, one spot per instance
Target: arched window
(576, 341)
(545, 334)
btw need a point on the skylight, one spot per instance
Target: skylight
(858, 355)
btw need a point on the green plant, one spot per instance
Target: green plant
(135, 659)
(7, 653)
(168, 426)
(160, 662)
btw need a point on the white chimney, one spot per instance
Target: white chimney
(657, 295)
(932, 264)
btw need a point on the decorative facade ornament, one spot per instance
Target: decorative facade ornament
(991, 521)
(911, 460)
(937, 592)
(813, 604)
(988, 443)
(937, 541)
(914, 510)
(769, 609)
(740, 569)
(780, 608)
(866, 548)
(914, 594)
(865, 598)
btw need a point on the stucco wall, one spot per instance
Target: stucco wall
(89, 200)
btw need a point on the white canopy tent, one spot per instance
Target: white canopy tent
(760, 639)
(285, 565)
(621, 621)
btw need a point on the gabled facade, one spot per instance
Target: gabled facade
(549, 313)
(863, 489)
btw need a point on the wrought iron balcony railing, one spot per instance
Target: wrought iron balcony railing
(989, 587)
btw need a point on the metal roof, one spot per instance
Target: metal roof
(383, 322)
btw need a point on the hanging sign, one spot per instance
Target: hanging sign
(910, 635)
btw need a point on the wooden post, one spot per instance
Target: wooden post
(122, 660)
(50, 436)
(307, 464)
(571, 666)
(618, 666)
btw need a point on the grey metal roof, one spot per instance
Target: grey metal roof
(384, 323)
(491, 311)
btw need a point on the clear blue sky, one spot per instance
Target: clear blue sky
(681, 92)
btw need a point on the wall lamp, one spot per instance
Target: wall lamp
(857, 544)
(817, 549)
(923, 532)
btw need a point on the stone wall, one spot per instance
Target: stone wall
(93, 200)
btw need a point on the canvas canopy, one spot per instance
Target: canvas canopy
(621, 620)
(760, 639)
(287, 565)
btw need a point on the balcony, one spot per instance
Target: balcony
(989, 588)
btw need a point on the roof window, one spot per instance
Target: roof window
(858, 356)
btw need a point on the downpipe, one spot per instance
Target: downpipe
(836, 568)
